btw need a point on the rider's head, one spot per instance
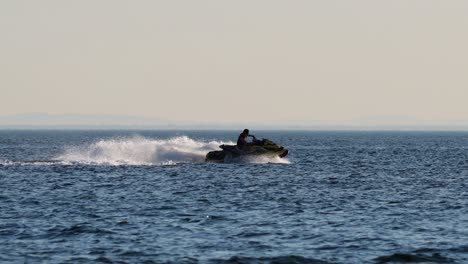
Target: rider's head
(245, 132)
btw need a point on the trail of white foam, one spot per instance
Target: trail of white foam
(30, 162)
(139, 150)
(257, 160)
(263, 160)
(6, 162)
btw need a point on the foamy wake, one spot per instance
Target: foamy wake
(139, 150)
(260, 160)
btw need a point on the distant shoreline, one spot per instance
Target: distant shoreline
(190, 128)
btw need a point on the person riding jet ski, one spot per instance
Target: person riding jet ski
(242, 140)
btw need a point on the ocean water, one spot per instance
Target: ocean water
(149, 197)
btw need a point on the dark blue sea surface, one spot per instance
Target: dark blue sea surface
(149, 197)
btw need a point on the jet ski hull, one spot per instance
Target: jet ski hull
(263, 147)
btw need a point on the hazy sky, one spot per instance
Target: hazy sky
(229, 61)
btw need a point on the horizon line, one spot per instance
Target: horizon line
(230, 128)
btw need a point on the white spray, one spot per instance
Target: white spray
(139, 150)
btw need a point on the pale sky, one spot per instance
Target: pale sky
(231, 61)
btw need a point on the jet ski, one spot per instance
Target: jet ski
(264, 147)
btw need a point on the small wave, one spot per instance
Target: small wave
(74, 230)
(406, 257)
(269, 260)
(139, 150)
(30, 162)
